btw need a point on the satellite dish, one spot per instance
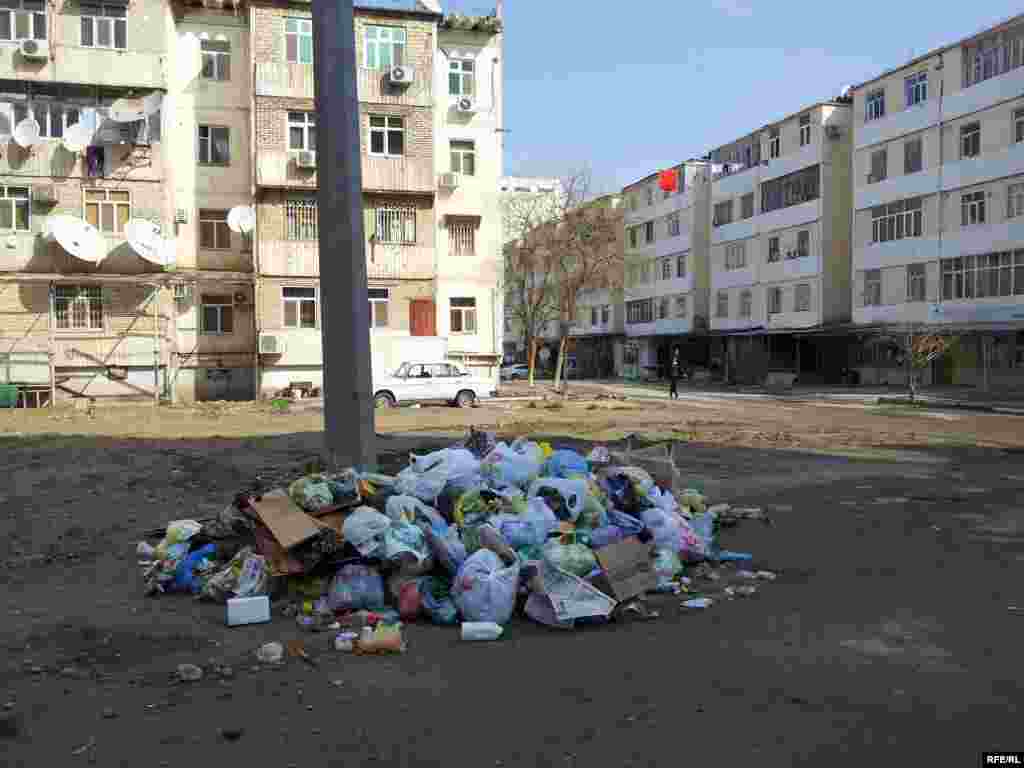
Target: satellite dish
(169, 252)
(26, 133)
(77, 138)
(846, 91)
(190, 59)
(127, 110)
(152, 103)
(242, 218)
(79, 238)
(144, 238)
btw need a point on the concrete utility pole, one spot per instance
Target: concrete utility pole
(345, 322)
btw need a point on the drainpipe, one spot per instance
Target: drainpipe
(52, 356)
(939, 196)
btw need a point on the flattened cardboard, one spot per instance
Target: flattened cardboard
(286, 521)
(278, 559)
(628, 568)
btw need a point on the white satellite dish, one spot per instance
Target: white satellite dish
(144, 238)
(26, 133)
(242, 218)
(169, 252)
(77, 138)
(846, 91)
(190, 58)
(127, 110)
(79, 238)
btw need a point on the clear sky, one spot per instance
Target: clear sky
(631, 87)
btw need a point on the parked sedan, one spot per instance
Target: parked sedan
(515, 372)
(431, 382)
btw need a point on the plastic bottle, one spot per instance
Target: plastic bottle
(481, 630)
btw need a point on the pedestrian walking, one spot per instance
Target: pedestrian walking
(673, 380)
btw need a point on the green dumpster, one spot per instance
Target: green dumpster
(8, 396)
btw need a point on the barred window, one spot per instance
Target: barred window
(79, 307)
(396, 225)
(300, 218)
(461, 238)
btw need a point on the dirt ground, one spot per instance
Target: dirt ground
(898, 542)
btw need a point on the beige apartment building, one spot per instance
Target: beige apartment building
(938, 228)
(780, 207)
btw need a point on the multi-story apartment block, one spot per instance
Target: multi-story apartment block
(780, 242)
(429, 104)
(666, 263)
(938, 234)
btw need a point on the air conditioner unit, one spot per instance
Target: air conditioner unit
(45, 195)
(241, 297)
(180, 216)
(271, 344)
(448, 181)
(305, 160)
(832, 131)
(466, 104)
(38, 50)
(401, 75)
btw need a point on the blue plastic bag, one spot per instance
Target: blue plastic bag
(355, 587)
(184, 574)
(440, 610)
(566, 463)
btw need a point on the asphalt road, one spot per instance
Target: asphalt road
(886, 637)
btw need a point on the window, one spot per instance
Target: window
(300, 218)
(463, 157)
(916, 87)
(774, 253)
(970, 140)
(805, 130)
(606, 313)
(379, 298)
(214, 145)
(774, 301)
(673, 225)
(803, 243)
(993, 56)
(463, 315)
(1014, 201)
(723, 213)
(213, 230)
(461, 77)
(747, 206)
(108, 209)
(915, 282)
(15, 209)
(299, 307)
(874, 105)
(593, 315)
(649, 232)
(302, 131)
(23, 20)
(802, 298)
(872, 287)
(773, 143)
(641, 311)
(879, 166)
(736, 256)
(666, 269)
(298, 41)
(633, 237)
(680, 307)
(681, 265)
(645, 272)
(649, 191)
(216, 315)
(104, 26)
(387, 136)
(663, 305)
(79, 307)
(913, 156)
(984, 276)
(972, 208)
(1018, 125)
(722, 304)
(746, 303)
(216, 59)
(385, 47)
(461, 238)
(896, 221)
(53, 117)
(396, 225)
(794, 189)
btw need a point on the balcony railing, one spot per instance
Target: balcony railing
(301, 258)
(284, 79)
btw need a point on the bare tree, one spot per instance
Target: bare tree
(919, 351)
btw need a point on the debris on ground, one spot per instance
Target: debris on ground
(467, 536)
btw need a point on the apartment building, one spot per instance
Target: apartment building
(429, 102)
(938, 233)
(780, 208)
(667, 275)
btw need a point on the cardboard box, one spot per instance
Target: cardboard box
(286, 520)
(628, 569)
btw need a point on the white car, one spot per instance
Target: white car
(424, 382)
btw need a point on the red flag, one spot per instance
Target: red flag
(668, 180)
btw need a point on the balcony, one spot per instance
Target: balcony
(896, 124)
(792, 162)
(735, 183)
(671, 245)
(794, 319)
(790, 268)
(790, 216)
(284, 79)
(984, 94)
(277, 168)
(373, 86)
(897, 188)
(295, 258)
(977, 170)
(397, 174)
(733, 278)
(736, 230)
(910, 250)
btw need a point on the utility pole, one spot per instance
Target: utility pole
(349, 433)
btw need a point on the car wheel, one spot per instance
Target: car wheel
(383, 400)
(465, 399)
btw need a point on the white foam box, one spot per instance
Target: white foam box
(248, 610)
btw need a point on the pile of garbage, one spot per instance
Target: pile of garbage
(475, 533)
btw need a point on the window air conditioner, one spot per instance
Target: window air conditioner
(448, 181)
(305, 160)
(37, 50)
(271, 344)
(401, 75)
(180, 216)
(466, 104)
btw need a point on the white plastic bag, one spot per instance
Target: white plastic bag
(426, 486)
(505, 466)
(366, 529)
(403, 507)
(485, 590)
(573, 493)
(666, 527)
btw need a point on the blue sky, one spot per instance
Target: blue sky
(631, 87)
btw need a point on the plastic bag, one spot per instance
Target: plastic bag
(366, 530)
(529, 529)
(566, 464)
(437, 602)
(403, 507)
(619, 527)
(594, 513)
(426, 486)
(312, 493)
(186, 574)
(577, 559)
(410, 600)
(511, 466)
(175, 541)
(254, 577)
(692, 500)
(666, 566)
(565, 497)
(448, 549)
(356, 586)
(706, 528)
(667, 528)
(485, 590)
